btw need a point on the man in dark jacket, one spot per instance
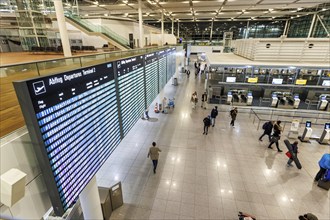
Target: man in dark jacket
(233, 115)
(268, 127)
(207, 123)
(214, 114)
(276, 136)
(204, 100)
(295, 152)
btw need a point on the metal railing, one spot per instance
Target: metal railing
(287, 116)
(52, 66)
(99, 29)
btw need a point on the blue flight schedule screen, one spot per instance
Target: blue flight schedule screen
(151, 74)
(162, 69)
(77, 117)
(130, 76)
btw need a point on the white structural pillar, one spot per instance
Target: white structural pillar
(162, 28)
(90, 201)
(140, 25)
(172, 26)
(178, 29)
(285, 27)
(311, 27)
(247, 30)
(62, 27)
(211, 32)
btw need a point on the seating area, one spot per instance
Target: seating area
(59, 49)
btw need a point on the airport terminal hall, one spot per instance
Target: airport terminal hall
(164, 109)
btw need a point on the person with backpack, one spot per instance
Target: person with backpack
(207, 123)
(276, 136)
(324, 164)
(204, 99)
(233, 114)
(294, 151)
(268, 127)
(214, 114)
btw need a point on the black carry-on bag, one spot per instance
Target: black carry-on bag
(295, 159)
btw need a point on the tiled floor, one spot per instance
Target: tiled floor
(213, 176)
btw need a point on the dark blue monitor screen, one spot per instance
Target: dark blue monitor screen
(308, 124)
(75, 127)
(327, 126)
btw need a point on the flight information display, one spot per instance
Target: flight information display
(171, 63)
(151, 74)
(162, 69)
(130, 77)
(73, 121)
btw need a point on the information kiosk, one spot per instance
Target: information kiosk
(325, 137)
(296, 101)
(229, 97)
(249, 98)
(307, 132)
(274, 101)
(322, 103)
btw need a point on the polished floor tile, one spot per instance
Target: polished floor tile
(210, 176)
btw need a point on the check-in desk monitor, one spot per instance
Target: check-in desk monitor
(322, 103)
(325, 136)
(296, 101)
(249, 98)
(307, 132)
(274, 100)
(229, 97)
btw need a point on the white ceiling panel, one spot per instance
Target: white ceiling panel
(301, 5)
(176, 5)
(314, 1)
(277, 6)
(242, 2)
(207, 3)
(235, 7)
(277, 1)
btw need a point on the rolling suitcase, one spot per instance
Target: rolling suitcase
(323, 184)
(295, 159)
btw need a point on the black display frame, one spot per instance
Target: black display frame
(27, 92)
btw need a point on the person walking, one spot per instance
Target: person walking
(204, 99)
(295, 152)
(214, 114)
(268, 127)
(324, 164)
(154, 155)
(196, 65)
(207, 123)
(233, 115)
(146, 112)
(276, 136)
(194, 100)
(188, 73)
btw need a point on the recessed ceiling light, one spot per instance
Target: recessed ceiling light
(270, 9)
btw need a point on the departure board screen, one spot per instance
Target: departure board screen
(130, 77)
(151, 74)
(171, 62)
(73, 121)
(162, 69)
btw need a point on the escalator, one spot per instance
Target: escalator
(97, 30)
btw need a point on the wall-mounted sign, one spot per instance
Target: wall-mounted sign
(253, 80)
(301, 81)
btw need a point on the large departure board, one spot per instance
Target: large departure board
(162, 69)
(73, 122)
(171, 63)
(131, 90)
(151, 74)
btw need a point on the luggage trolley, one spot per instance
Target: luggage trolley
(171, 104)
(245, 216)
